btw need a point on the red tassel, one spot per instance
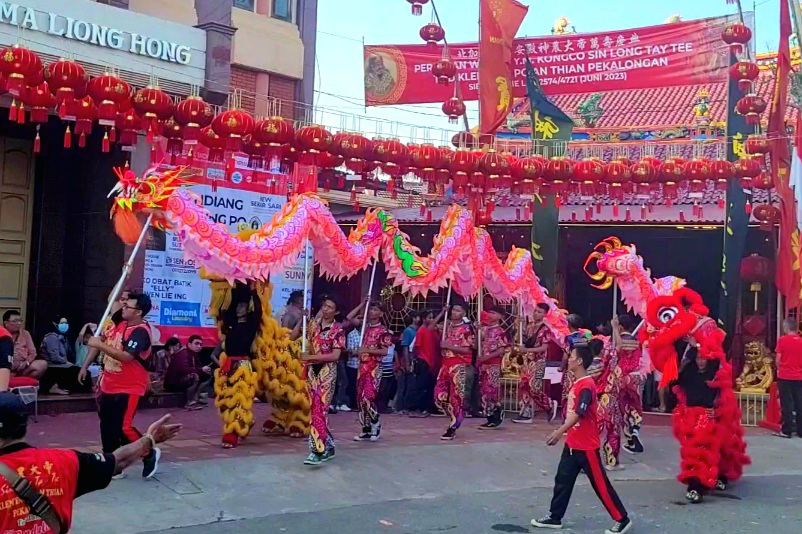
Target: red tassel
(527, 213)
(353, 194)
(598, 207)
(628, 215)
(681, 216)
(150, 135)
(190, 157)
(113, 134)
(721, 203)
(340, 182)
(62, 109)
(643, 212)
(701, 213)
(231, 165)
(67, 138)
(37, 143)
(428, 215)
(327, 185)
(12, 111)
(615, 210)
(748, 208)
(517, 214)
(558, 201)
(172, 158)
(422, 210)
(573, 215)
(21, 114)
(214, 186)
(82, 140)
(105, 143)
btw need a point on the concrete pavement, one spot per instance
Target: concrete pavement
(494, 481)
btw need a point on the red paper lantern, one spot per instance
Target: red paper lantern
(417, 6)
(589, 171)
(755, 268)
(455, 108)
(127, 123)
(722, 170)
(744, 72)
(215, 143)
(617, 172)
(767, 215)
(85, 116)
(751, 106)
(444, 70)
(273, 133)
(328, 160)
(698, 170)
(558, 169)
(432, 33)
(40, 100)
(108, 92)
(18, 63)
(736, 35)
(528, 169)
(392, 155)
(355, 148)
(763, 181)
(748, 167)
(232, 125)
(312, 140)
(152, 105)
(463, 140)
(68, 81)
(192, 114)
(670, 171)
(427, 158)
(462, 165)
(172, 132)
(493, 164)
(757, 144)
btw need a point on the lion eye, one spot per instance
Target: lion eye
(666, 314)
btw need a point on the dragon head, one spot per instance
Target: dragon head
(612, 259)
(146, 194)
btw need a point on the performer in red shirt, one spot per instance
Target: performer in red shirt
(789, 377)
(125, 378)
(326, 343)
(375, 343)
(495, 343)
(449, 392)
(581, 451)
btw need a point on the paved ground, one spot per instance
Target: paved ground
(410, 483)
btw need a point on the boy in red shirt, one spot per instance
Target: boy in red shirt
(581, 452)
(789, 378)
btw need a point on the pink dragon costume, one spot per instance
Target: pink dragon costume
(462, 255)
(625, 367)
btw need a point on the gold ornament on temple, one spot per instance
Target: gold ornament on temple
(757, 375)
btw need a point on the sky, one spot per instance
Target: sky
(344, 24)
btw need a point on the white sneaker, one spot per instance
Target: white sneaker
(616, 467)
(343, 408)
(375, 431)
(118, 476)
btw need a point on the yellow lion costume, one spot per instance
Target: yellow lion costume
(275, 371)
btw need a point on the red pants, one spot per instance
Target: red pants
(320, 381)
(489, 383)
(367, 388)
(530, 388)
(449, 392)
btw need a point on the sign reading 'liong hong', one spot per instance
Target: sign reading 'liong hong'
(92, 33)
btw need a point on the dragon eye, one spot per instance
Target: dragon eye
(666, 314)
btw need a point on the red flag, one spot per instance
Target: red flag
(788, 276)
(499, 22)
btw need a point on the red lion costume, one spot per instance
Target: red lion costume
(712, 448)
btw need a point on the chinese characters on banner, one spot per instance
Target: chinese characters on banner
(180, 297)
(683, 53)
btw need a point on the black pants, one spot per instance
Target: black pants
(386, 393)
(350, 388)
(791, 401)
(64, 377)
(117, 420)
(420, 387)
(571, 463)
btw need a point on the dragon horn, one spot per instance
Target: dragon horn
(118, 187)
(594, 256)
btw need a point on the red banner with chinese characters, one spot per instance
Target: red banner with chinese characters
(681, 53)
(499, 21)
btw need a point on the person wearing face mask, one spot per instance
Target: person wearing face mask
(60, 376)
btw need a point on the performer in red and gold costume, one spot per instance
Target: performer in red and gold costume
(449, 392)
(375, 344)
(531, 389)
(707, 419)
(326, 342)
(495, 343)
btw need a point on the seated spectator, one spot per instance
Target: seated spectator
(185, 374)
(24, 362)
(172, 346)
(57, 351)
(82, 350)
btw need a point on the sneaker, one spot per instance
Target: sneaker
(693, 497)
(328, 454)
(628, 448)
(119, 476)
(721, 485)
(620, 527)
(314, 459)
(547, 522)
(375, 431)
(364, 436)
(637, 444)
(344, 408)
(555, 406)
(449, 435)
(782, 435)
(500, 417)
(332, 410)
(490, 425)
(151, 463)
(614, 467)
(523, 420)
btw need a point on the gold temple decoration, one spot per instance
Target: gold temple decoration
(757, 375)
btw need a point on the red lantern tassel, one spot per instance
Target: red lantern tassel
(327, 185)
(517, 214)
(37, 142)
(701, 212)
(422, 210)
(628, 215)
(67, 138)
(190, 157)
(615, 210)
(113, 134)
(62, 109)
(21, 114)
(748, 208)
(82, 140)
(643, 212)
(721, 203)
(340, 182)
(105, 144)
(353, 194)
(150, 135)
(230, 166)
(214, 186)
(429, 216)
(598, 207)
(12, 111)
(417, 10)
(558, 201)
(681, 216)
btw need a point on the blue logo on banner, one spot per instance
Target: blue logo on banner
(180, 314)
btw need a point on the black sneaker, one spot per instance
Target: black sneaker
(449, 435)
(547, 522)
(620, 527)
(782, 435)
(721, 485)
(150, 463)
(693, 497)
(490, 425)
(637, 444)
